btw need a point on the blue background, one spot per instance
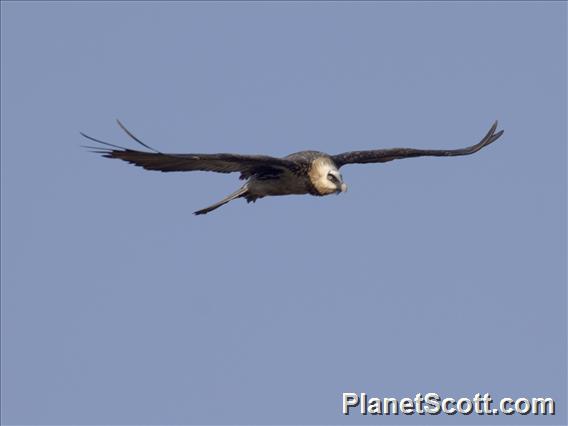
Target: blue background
(429, 275)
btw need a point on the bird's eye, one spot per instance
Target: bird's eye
(332, 177)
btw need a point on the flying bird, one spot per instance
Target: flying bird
(306, 172)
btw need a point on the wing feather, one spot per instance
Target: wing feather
(384, 155)
(247, 165)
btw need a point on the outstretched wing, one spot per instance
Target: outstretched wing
(384, 155)
(247, 165)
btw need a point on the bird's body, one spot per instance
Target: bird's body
(306, 172)
(311, 177)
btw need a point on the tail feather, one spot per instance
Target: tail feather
(238, 193)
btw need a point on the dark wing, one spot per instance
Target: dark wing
(247, 165)
(384, 155)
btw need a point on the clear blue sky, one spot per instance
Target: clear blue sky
(429, 275)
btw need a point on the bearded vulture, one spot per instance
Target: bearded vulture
(305, 172)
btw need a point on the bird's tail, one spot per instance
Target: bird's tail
(238, 193)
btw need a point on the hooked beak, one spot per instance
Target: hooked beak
(342, 188)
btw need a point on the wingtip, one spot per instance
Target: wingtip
(487, 139)
(123, 127)
(498, 134)
(103, 142)
(129, 133)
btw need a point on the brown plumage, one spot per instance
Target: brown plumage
(305, 172)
